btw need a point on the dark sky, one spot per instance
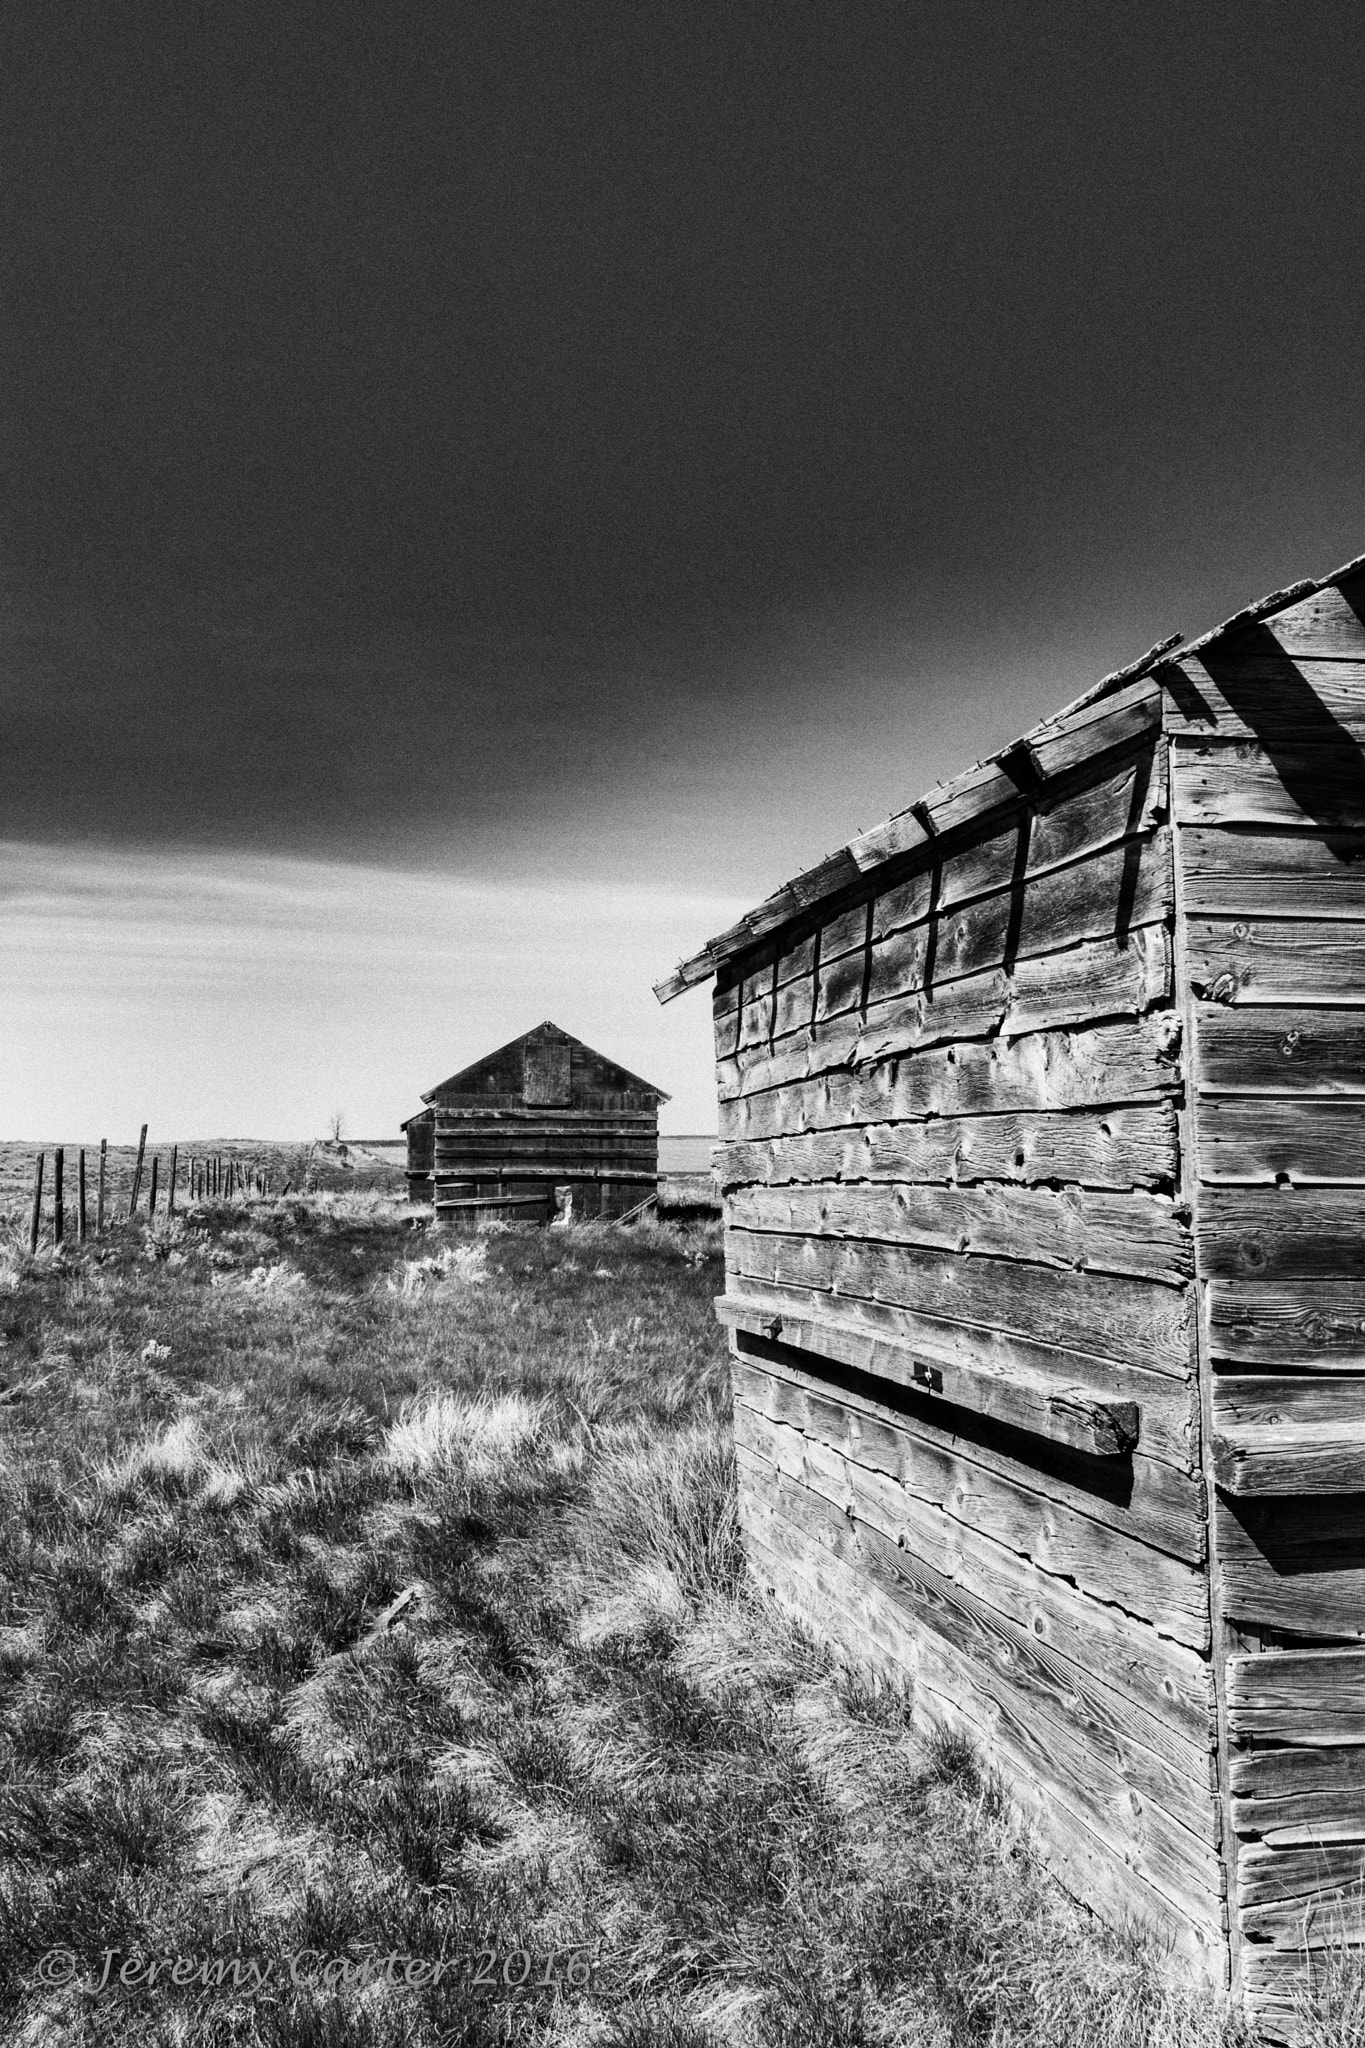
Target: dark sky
(508, 435)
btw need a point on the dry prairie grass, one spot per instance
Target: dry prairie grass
(358, 1592)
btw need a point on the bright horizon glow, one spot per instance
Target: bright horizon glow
(244, 996)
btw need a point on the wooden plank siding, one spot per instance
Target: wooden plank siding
(1042, 1154)
(1268, 812)
(958, 1274)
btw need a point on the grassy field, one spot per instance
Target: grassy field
(374, 1632)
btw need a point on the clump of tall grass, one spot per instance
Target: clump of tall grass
(478, 1436)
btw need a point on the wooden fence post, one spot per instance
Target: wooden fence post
(137, 1172)
(99, 1193)
(170, 1192)
(151, 1191)
(36, 1217)
(58, 1207)
(80, 1195)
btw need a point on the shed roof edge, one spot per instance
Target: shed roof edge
(839, 868)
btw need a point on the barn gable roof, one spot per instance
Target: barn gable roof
(467, 1081)
(988, 785)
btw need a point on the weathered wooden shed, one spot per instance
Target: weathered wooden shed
(545, 1112)
(1043, 1147)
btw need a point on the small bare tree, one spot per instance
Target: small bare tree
(336, 1126)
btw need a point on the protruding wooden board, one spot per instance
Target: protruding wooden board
(1261, 1138)
(1134, 1061)
(1115, 1148)
(1297, 1458)
(1312, 1324)
(1297, 1565)
(1167, 1406)
(1108, 1316)
(1303, 1697)
(1086, 1418)
(1084, 1229)
(1319, 787)
(1240, 874)
(1168, 1686)
(941, 1456)
(1280, 1051)
(1276, 960)
(1273, 1234)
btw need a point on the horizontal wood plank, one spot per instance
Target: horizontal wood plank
(1319, 787)
(1260, 696)
(1261, 1139)
(1167, 1406)
(1272, 1234)
(1244, 873)
(1298, 1458)
(1304, 1794)
(1092, 983)
(1134, 1321)
(1276, 960)
(1126, 885)
(1134, 1147)
(1296, 1564)
(1325, 625)
(1288, 1400)
(1163, 1688)
(1297, 1696)
(1065, 1730)
(1133, 1061)
(1086, 1417)
(1280, 1051)
(1302, 1896)
(1111, 1844)
(936, 1456)
(1082, 1229)
(1128, 801)
(944, 1495)
(1315, 1325)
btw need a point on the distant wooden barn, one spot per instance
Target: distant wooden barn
(543, 1113)
(1043, 1147)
